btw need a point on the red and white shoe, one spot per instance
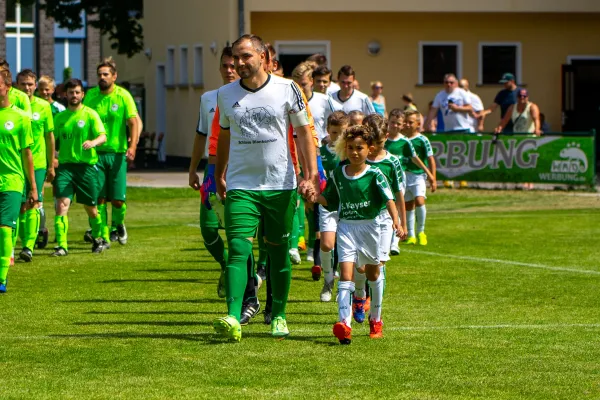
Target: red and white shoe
(376, 331)
(343, 332)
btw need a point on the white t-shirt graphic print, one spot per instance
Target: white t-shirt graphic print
(258, 120)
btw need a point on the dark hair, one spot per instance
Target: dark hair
(338, 118)
(5, 75)
(378, 125)
(321, 71)
(72, 84)
(346, 70)
(319, 58)
(396, 112)
(27, 73)
(4, 63)
(226, 52)
(108, 62)
(353, 132)
(257, 43)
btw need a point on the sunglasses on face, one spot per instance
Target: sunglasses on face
(377, 87)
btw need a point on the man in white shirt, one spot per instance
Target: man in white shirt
(475, 114)
(256, 176)
(455, 104)
(348, 98)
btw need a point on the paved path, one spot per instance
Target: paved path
(158, 179)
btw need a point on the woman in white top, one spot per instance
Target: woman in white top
(525, 115)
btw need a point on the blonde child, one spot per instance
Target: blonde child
(358, 191)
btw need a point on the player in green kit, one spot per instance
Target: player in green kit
(16, 97)
(42, 127)
(118, 112)
(401, 147)
(415, 178)
(16, 164)
(359, 192)
(79, 130)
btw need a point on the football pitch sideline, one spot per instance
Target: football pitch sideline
(503, 303)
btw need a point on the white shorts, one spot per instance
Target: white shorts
(328, 220)
(386, 229)
(358, 242)
(415, 186)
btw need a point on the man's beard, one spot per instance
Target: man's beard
(103, 85)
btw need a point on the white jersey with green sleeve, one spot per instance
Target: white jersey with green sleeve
(358, 198)
(424, 151)
(258, 121)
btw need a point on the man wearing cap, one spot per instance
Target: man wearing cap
(505, 98)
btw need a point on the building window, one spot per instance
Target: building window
(183, 65)
(292, 52)
(20, 38)
(198, 65)
(170, 66)
(496, 59)
(68, 53)
(437, 59)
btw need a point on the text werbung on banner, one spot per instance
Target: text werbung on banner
(515, 158)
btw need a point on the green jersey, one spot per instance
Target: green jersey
(114, 109)
(423, 150)
(15, 135)
(357, 198)
(20, 100)
(42, 123)
(401, 148)
(392, 170)
(329, 159)
(73, 128)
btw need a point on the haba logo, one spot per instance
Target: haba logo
(574, 160)
(81, 123)
(36, 116)
(114, 107)
(9, 125)
(253, 119)
(212, 110)
(236, 105)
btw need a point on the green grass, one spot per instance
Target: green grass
(135, 322)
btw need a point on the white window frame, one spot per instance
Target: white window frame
(518, 67)
(459, 57)
(170, 66)
(198, 65)
(184, 78)
(570, 59)
(304, 47)
(18, 25)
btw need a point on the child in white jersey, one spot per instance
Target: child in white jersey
(358, 191)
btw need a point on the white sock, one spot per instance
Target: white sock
(327, 265)
(410, 222)
(421, 214)
(395, 240)
(345, 289)
(359, 283)
(376, 298)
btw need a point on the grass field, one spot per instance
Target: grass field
(504, 303)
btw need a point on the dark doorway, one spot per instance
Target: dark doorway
(289, 62)
(580, 100)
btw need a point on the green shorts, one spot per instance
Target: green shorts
(40, 178)
(10, 207)
(244, 209)
(80, 180)
(113, 176)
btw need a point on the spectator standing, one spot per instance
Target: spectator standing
(504, 99)
(409, 104)
(475, 119)
(524, 116)
(455, 105)
(377, 98)
(544, 125)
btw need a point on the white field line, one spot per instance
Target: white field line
(325, 329)
(506, 262)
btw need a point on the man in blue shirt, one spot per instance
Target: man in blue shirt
(505, 98)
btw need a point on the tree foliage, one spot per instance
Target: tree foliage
(118, 19)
